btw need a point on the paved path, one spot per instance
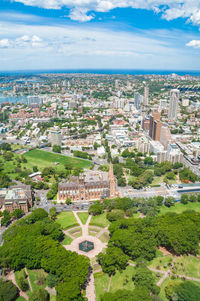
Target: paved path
(103, 231)
(28, 280)
(98, 247)
(169, 273)
(90, 289)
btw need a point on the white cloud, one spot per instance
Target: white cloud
(23, 41)
(194, 44)
(79, 9)
(83, 46)
(4, 43)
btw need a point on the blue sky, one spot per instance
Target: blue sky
(117, 34)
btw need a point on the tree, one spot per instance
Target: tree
(148, 161)
(8, 291)
(68, 201)
(56, 148)
(18, 213)
(35, 169)
(6, 220)
(187, 291)
(169, 201)
(115, 215)
(52, 213)
(113, 260)
(52, 280)
(143, 277)
(95, 209)
(6, 146)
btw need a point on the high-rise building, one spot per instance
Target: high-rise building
(34, 100)
(173, 105)
(138, 99)
(155, 116)
(157, 130)
(165, 136)
(146, 96)
(55, 137)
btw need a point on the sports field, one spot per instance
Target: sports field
(43, 159)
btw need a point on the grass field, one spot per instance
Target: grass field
(33, 276)
(101, 284)
(121, 280)
(100, 220)
(187, 266)
(66, 220)
(104, 237)
(83, 217)
(20, 299)
(67, 240)
(43, 159)
(179, 208)
(161, 263)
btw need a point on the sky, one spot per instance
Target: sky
(99, 34)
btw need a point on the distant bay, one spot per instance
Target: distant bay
(104, 71)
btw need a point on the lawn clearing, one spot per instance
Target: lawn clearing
(43, 159)
(20, 299)
(83, 217)
(187, 266)
(67, 240)
(162, 263)
(66, 220)
(34, 275)
(179, 208)
(101, 284)
(123, 280)
(100, 220)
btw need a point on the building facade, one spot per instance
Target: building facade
(90, 186)
(17, 197)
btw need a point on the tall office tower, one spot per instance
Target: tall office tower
(173, 105)
(146, 96)
(137, 100)
(153, 117)
(157, 130)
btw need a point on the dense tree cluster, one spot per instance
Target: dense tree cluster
(182, 291)
(34, 242)
(8, 291)
(140, 238)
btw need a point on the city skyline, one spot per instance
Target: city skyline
(99, 35)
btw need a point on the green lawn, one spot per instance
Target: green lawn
(77, 232)
(83, 217)
(66, 220)
(179, 208)
(33, 276)
(188, 266)
(123, 280)
(100, 220)
(52, 297)
(161, 263)
(20, 299)
(67, 240)
(104, 237)
(101, 284)
(43, 159)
